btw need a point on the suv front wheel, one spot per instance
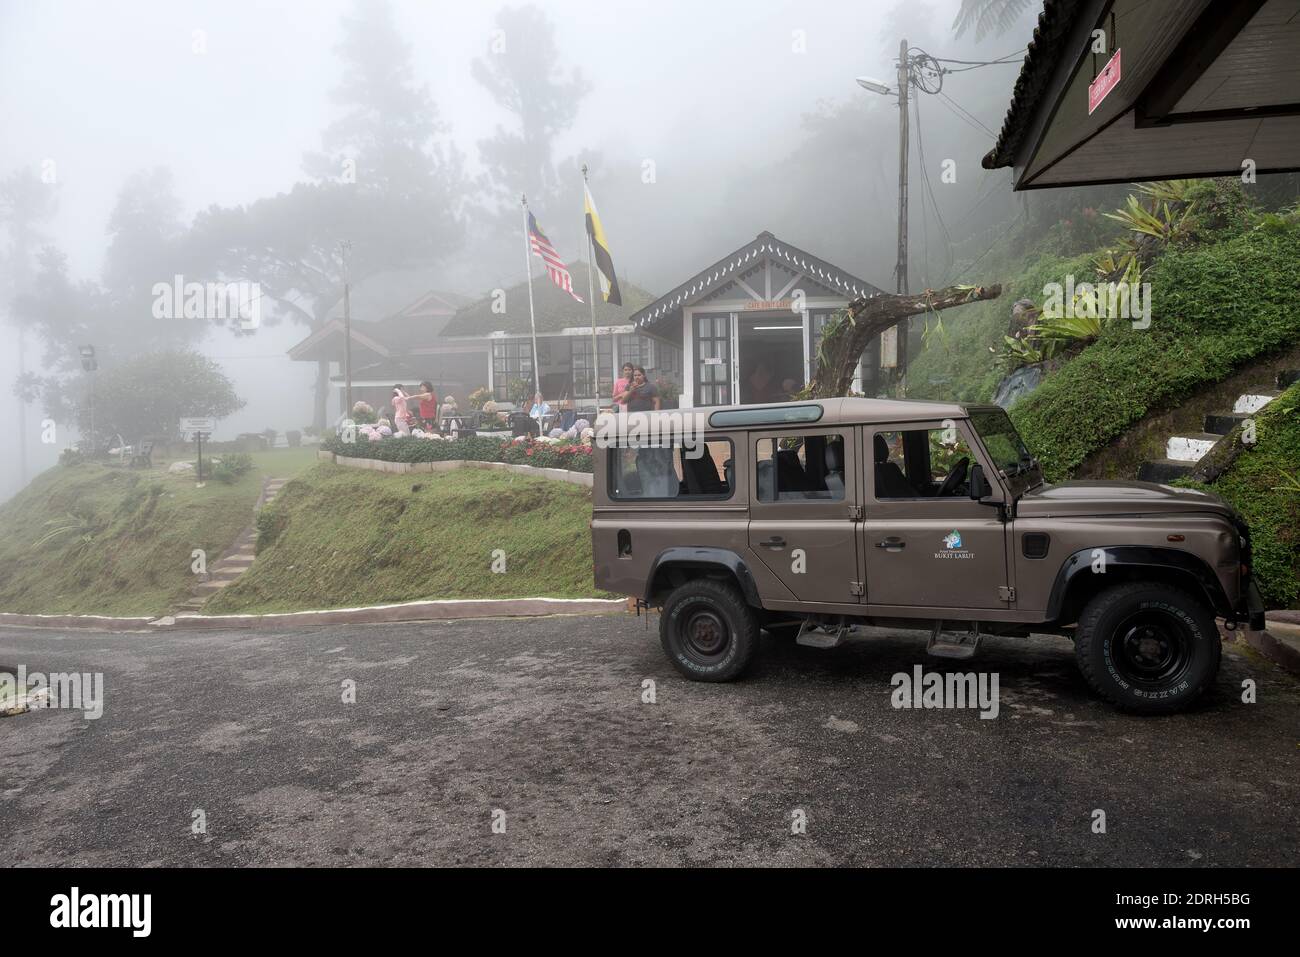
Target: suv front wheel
(707, 631)
(1147, 647)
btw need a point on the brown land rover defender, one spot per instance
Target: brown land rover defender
(810, 517)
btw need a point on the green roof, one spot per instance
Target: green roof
(555, 308)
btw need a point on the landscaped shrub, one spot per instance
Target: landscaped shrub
(478, 448)
(232, 466)
(271, 523)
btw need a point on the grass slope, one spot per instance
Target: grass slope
(1213, 309)
(1257, 484)
(338, 537)
(92, 539)
(88, 539)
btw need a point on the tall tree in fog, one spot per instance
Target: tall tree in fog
(144, 232)
(385, 180)
(146, 237)
(522, 72)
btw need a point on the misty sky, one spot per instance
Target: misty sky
(105, 89)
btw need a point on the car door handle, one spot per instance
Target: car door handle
(776, 541)
(892, 543)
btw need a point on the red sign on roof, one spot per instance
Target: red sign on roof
(1106, 81)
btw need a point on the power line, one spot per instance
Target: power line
(975, 64)
(925, 175)
(964, 119)
(968, 113)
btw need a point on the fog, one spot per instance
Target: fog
(230, 97)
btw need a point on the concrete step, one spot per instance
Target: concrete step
(1287, 378)
(215, 585)
(1191, 447)
(1251, 402)
(1221, 423)
(1164, 471)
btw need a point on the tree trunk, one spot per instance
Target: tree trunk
(844, 339)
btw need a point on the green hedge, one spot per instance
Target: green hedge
(574, 457)
(1212, 310)
(1257, 485)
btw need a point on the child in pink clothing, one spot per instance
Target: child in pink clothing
(401, 415)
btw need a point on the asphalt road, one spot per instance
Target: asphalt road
(545, 721)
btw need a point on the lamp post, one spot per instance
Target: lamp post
(345, 249)
(919, 69)
(88, 365)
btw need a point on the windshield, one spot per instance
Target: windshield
(1002, 441)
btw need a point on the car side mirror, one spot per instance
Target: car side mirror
(979, 485)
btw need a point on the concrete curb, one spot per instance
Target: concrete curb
(437, 610)
(407, 468)
(101, 622)
(1280, 644)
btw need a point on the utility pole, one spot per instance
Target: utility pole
(345, 248)
(900, 269)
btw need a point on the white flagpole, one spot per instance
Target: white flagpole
(532, 318)
(591, 297)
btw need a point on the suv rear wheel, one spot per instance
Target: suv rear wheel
(707, 631)
(1147, 648)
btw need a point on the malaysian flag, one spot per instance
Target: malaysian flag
(559, 273)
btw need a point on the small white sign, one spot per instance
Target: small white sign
(889, 348)
(198, 424)
(712, 361)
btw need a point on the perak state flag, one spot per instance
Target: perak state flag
(600, 250)
(555, 267)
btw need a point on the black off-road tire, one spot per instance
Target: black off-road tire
(708, 632)
(1147, 648)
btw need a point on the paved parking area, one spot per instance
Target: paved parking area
(543, 727)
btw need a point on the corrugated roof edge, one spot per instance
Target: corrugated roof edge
(1055, 23)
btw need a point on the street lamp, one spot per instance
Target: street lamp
(874, 85)
(915, 68)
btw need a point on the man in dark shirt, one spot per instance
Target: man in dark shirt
(642, 396)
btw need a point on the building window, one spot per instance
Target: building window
(582, 383)
(713, 360)
(511, 359)
(659, 358)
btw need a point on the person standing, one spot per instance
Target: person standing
(621, 385)
(401, 413)
(428, 406)
(642, 396)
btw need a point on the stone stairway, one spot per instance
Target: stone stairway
(1184, 451)
(236, 559)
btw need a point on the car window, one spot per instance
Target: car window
(672, 472)
(797, 468)
(915, 463)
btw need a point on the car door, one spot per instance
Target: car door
(804, 493)
(922, 550)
